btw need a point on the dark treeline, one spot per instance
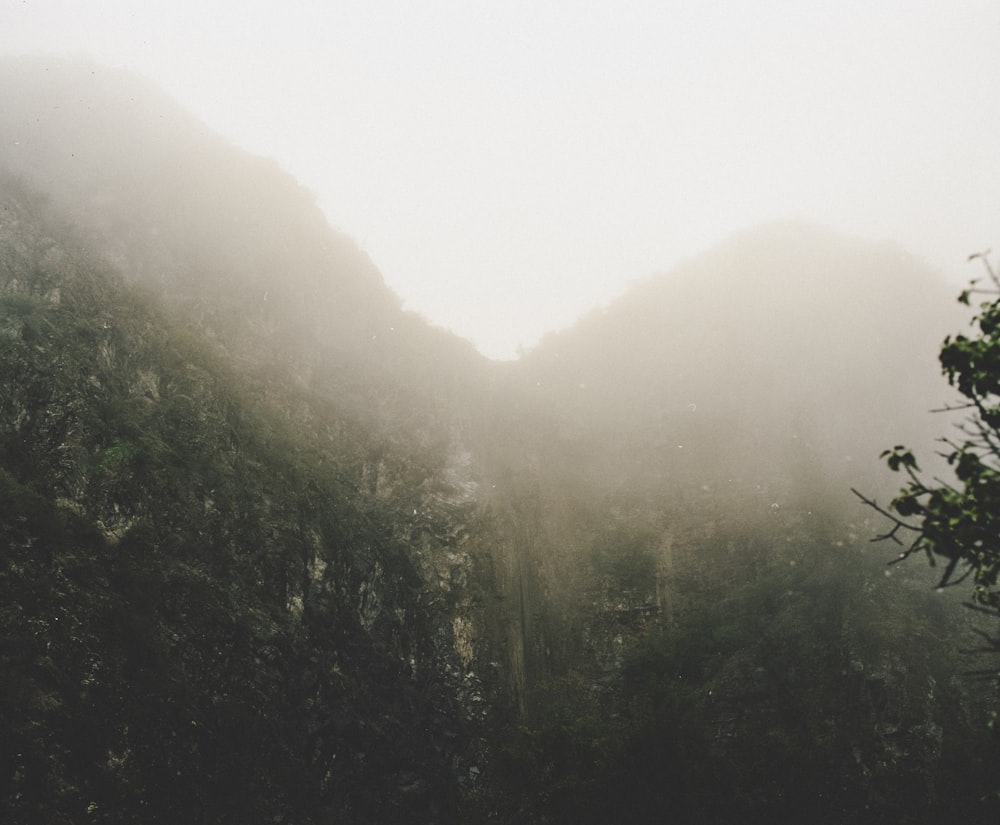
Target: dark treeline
(274, 550)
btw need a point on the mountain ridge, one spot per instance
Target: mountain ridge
(277, 550)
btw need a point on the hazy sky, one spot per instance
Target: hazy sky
(509, 165)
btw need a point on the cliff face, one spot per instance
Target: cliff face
(212, 611)
(697, 569)
(276, 550)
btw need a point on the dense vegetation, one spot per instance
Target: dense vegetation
(191, 588)
(956, 522)
(274, 550)
(806, 687)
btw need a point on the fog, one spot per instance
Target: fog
(279, 550)
(508, 168)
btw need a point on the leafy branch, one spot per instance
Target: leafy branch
(959, 520)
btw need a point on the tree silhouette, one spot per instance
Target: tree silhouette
(957, 520)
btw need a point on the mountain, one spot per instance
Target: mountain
(237, 247)
(202, 391)
(276, 550)
(786, 334)
(699, 569)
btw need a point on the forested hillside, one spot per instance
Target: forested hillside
(208, 612)
(273, 549)
(710, 585)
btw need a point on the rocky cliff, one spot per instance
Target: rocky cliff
(276, 550)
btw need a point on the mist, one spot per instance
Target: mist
(288, 535)
(510, 170)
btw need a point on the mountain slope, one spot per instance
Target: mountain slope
(687, 559)
(241, 251)
(207, 616)
(275, 550)
(788, 332)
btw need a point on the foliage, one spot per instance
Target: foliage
(958, 520)
(551, 767)
(624, 555)
(223, 596)
(194, 580)
(790, 695)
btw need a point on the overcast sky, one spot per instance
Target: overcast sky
(510, 165)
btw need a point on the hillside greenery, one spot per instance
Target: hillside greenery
(273, 549)
(191, 587)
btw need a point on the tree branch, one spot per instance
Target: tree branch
(897, 523)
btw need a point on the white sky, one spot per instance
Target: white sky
(509, 165)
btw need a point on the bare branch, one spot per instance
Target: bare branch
(978, 608)
(989, 438)
(949, 570)
(952, 408)
(917, 481)
(897, 525)
(985, 257)
(945, 484)
(892, 535)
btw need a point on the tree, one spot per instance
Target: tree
(957, 521)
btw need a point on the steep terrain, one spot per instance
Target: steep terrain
(695, 568)
(209, 613)
(275, 550)
(211, 432)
